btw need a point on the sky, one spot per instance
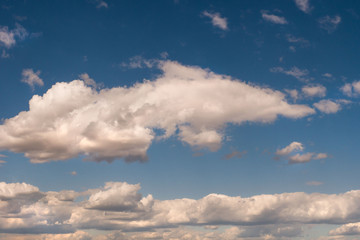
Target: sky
(179, 119)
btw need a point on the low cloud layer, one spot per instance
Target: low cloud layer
(118, 206)
(73, 118)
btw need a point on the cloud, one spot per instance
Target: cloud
(296, 147)
(31, 78)
(294, 94)
(273, 18)
(292, 39)
(314, 183)
(87, 80)
(8, 37)
(328, 23)
(304, 5)
(194, 104)
(101, 4)
(138, 62)
(328, 75)
(234, 154)
(294, 72)
(217, 20)
(74, 173)
(119, 206)
(351, 89)
(328, 106)
(314, 90)
(347, 229)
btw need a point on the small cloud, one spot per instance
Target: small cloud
(329, 24)
(314, 90)
(88, 81)
(31, 78)
(217, 20)
(295, 72)
(294, 94)
(8, 37)
(235, 154)
(138, 62)
(101, 4)
(351, 89)
(327, 106)
(303, 5)
(314, 183)
(297, 40)
(74, 173)
(328, 75)
(164, 55)
(296, 147)
(273, 18)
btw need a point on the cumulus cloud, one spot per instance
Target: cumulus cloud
(347, 229)
(304, 5)
(8, 37)
(31, 78)
(295, 72)
(194, 104)
(119, 206)
(273, 18)
(328, 23)
(328, 106)
(351, 89)
(291, 152)
(314, 90)
(217, 20)
(87, 80)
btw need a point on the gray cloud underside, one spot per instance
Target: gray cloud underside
(195, 104)
(119, 206)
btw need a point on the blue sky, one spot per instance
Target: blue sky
(179, 119)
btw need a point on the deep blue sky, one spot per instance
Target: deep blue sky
(265, 44)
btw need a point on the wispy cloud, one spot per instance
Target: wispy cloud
(295, 72)
(31, 78)
(101, 4)
(273, 18)
(217, 20)
(328, 23)
(8, 37)
(304, 5)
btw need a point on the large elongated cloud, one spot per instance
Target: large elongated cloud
(120, 206)
(193, 103)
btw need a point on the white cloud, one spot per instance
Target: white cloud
(347, 229)
(8, 37)
(273, 18)
(31, 78)
(327, 106)
(297, 40)
(295, 72)
(294, 146)
(298, 157)
(304, 5)
(328, 75)
(217, 20)
(193, 103)
(119, 206)
(328, 23)
(87, 80)
(314, 90)
(351, 89)
(294, 94)
(101, 4)
(138, 62)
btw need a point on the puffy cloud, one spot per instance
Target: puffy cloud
(347, 229)
(328, 23)
(297, 73)
(194, 103)
(304, 5)
(273, 18)
(116, 207)
(314, 90)
(327, 106)
(351, 89)
(87, 80)
(298, 158)
(31, 78)
(294, 94)
(217, 20)
(8, 37)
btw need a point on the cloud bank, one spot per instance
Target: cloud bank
(194, 104)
